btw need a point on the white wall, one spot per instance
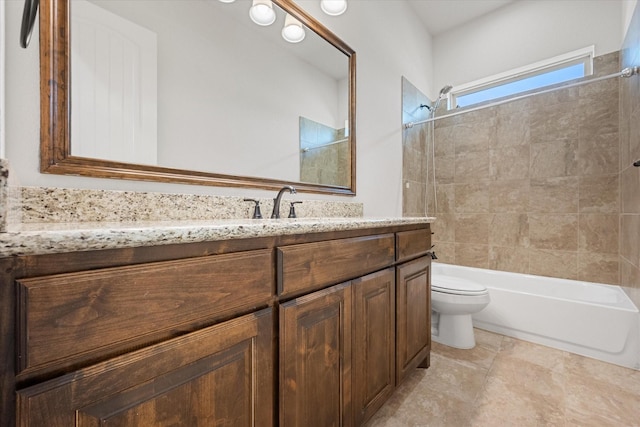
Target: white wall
(628, 6)
(524, 32)
(389, 41)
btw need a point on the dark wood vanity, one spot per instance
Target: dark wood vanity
(299, 330)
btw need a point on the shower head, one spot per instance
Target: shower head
(445, 90)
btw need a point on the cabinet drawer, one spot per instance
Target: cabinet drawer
(69, 318)
(220, 375)
(306, 267)
(410, 244)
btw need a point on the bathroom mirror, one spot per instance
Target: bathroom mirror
(217, 99)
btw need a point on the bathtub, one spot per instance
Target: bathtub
(589, 319)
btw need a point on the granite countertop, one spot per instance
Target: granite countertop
(47, 238)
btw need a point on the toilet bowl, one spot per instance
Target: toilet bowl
(453, 301)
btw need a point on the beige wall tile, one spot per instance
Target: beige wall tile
(554, 122)
(474, 136)
(554, 102)
(413, 199)
(630, 280)
(598, 115)
(509, 196)
(625, 123)
(471, 166)
(598, 154)
(472, 228)
(444, 168)
(472, 255)
(599, 268)
(445, 139)
(634, 131)
(554, 195)
(431, 200)
(446, 252)
(598, 233)
(599, 194)
(554, 158)
(562, 264)
(509, 229)
(554, 231)
(444, 228)
(481, 115)
(413, 166)
(509, 258)
(472, 198)
(510, 163)
(629, 238)
(606, 64)
(630, 189)
(446, 195)
(513, 127)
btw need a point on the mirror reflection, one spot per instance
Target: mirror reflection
(197, 85)
(324, 153)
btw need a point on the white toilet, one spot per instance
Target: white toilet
(453, 301)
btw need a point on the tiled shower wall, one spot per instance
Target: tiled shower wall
(531, 186)
(415, 142)
(629, 175)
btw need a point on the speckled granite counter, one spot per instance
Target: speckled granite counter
(46, 238)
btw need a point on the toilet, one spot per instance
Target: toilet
(453, 301)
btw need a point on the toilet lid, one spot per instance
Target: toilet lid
(456, 285)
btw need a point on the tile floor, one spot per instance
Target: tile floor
(508, 382)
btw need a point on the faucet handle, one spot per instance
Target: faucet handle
(256, 211)
(292, 210)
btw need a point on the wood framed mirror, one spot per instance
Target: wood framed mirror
(206, 122)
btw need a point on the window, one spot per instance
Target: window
(555, 70)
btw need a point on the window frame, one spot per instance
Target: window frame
(581, 56)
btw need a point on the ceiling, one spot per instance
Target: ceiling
(439, 16)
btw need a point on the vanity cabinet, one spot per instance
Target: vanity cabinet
(310, 329)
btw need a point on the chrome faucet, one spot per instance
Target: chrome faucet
(276, 202)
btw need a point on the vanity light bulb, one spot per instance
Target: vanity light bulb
(333, 7)
(262, 12)
(292, 30)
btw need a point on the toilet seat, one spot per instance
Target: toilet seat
(456, 286)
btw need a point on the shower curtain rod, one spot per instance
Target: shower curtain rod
(304, 150)
(627, 72)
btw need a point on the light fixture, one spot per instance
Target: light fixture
(227, 1)
(333, 7)
(292, 30)
(262, 12)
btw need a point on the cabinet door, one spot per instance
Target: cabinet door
(374, 342)
(218, 376)
(413, 315)
(315, 359)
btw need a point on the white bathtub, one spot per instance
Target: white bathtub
(590, 319)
